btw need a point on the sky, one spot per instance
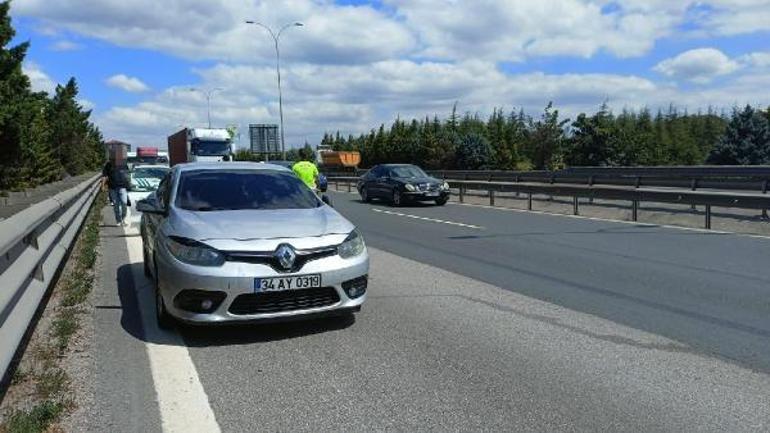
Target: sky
(354, 64)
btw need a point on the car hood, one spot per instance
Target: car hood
(248, 225)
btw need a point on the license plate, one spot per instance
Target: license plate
(278, 284)
(432, 194)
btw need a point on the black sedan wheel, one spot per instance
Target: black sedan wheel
(365, 195)
(442, 201)
(396, 200)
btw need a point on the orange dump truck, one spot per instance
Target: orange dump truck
(339, 159)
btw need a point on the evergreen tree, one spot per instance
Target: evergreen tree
(746, 139)
(473, 152)
(546, 139)
(14, 91)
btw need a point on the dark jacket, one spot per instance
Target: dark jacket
(117, 177)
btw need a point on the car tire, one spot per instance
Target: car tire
(396, 200)
(442, 201)
(365, 195)
(164, 319)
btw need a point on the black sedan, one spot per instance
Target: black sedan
(401, 183)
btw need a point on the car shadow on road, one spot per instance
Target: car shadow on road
(138, 319)
(227, 335)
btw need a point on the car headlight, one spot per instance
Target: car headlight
(353, 245)
(193, 252)
(409, 187)
(445, 185)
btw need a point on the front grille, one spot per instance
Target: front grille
(268, 258)
(427, 187)
(289, 300)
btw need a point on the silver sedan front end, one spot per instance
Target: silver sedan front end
(244, 242)
(232, 293)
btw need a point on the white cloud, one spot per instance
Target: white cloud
(126, 83)
(65, 45)
(215, 29)
(352, 67)
(700, 65)
(39, 80)
(757, 59)
(86, 104)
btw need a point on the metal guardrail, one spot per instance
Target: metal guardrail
(33, 244)
(743, 178)
(726, 199)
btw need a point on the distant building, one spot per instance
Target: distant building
(264, 138)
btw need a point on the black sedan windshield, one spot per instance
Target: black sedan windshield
(407, 171)
(207, 190)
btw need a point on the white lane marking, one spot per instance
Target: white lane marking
(635, 223)
(433, 220)
(184, 406)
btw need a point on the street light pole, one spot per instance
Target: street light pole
(276, 37)
(207, 93)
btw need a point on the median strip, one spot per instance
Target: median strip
(40, 393)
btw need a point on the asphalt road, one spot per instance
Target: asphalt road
(477, 320)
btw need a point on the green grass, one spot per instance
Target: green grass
(64, 326)
(37, 419)
(51, 383)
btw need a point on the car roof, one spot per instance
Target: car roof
(227, 166)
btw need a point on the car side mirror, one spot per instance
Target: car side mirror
(325, 198)
(149, 206)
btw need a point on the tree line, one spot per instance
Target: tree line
(515, 140)
(303, 153)
(43, 138)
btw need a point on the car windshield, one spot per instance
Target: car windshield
(147, 178)
(208, 190)
(407, 171)
(211, 148)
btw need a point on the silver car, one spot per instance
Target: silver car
(241, 242)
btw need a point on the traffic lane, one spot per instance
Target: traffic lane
(666, 244)
(436, 351)
(636, 275)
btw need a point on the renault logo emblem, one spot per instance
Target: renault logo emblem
(286, 256)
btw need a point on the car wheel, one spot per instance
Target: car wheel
(442, 201)
(396, 200)
(365, 195)
(165, 321)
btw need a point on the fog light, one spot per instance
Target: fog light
(199, 301)
(357, 287)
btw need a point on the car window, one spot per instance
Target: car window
(407, 171)
(209, 190)
(163, 191)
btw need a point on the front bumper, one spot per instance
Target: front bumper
(237, 278)
(426, 195)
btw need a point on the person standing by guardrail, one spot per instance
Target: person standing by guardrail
(116, 179)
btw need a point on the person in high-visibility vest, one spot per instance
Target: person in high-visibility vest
(307, 172)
